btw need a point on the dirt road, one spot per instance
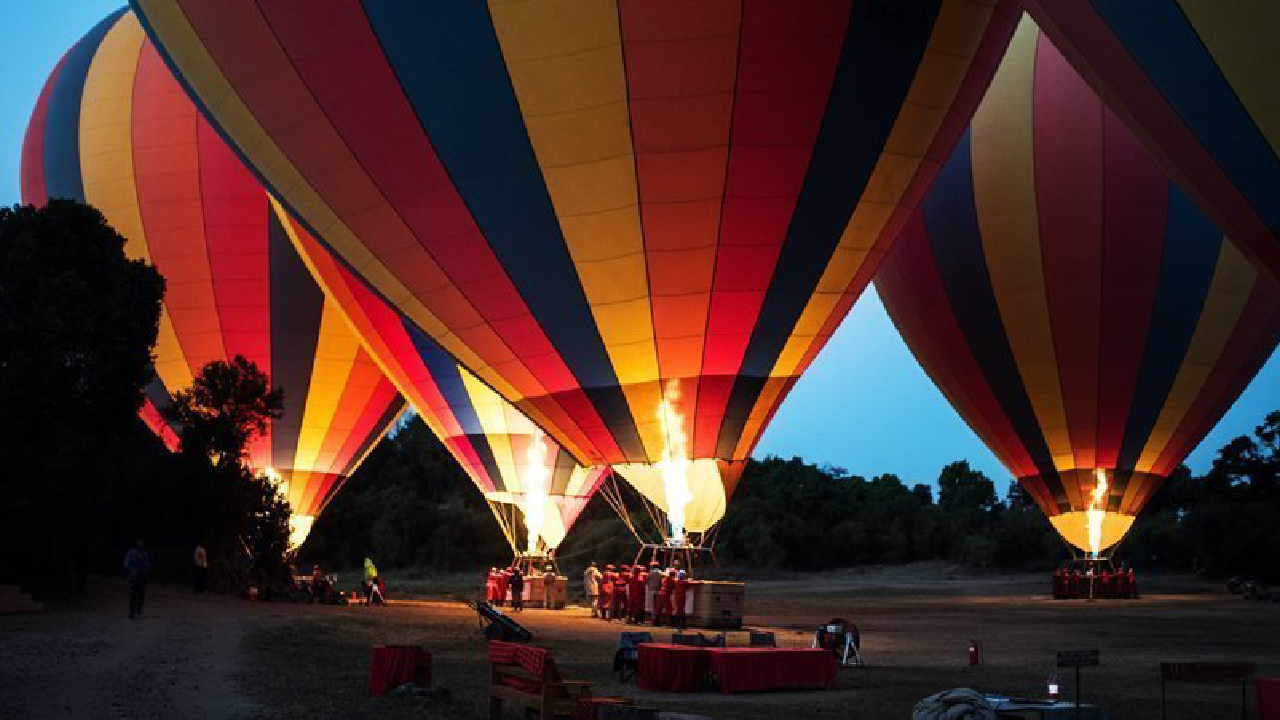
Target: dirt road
(90, 660)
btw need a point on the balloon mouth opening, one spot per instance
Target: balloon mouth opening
(299, 529)
(697, 483)
(1092, 531)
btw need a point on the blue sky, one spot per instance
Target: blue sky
(864, 405)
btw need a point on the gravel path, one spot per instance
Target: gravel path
(179, 658)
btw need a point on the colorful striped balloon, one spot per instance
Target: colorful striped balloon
(1196, 81)
(1074, 306)
(523, 473)
(113, 129)
(638, 221)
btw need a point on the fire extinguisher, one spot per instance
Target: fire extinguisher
(975, 652)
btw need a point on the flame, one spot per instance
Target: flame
(299, 529)
(535, 487)
(675, 459)
(1097, 510)
(276, 479)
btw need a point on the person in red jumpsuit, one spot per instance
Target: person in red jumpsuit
(664, 597)
(606, 592)
(620, 589)
(491, 586)
(635, 594)
(678, 597)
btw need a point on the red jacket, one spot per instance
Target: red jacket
(606, 588)
(620, 585)
(682, 587)
(635, 593)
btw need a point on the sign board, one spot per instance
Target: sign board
(1207, 672)
(1077, 658)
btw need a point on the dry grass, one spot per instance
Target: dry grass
(916, 635)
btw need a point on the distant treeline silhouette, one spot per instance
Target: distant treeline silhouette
(410, 505)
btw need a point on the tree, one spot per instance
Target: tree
(77, 323)
(227, 405)
(241, 517)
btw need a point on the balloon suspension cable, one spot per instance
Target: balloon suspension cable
(612, 494)
(708, 539)
(505, 515)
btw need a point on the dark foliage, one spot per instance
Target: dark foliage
(241, 518)
(409, 503)
(227, 405)
(77, 322)
(82, 477)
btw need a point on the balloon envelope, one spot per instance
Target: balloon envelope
(509, 458)
(113, 129)
(1074, 306)
(1196, 81)
(638, 221)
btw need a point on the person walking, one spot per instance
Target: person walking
(549, 588)
(591, 586)
(137, 568)
(517, 590)
(200, 571)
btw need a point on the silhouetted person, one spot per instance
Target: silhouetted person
(200, 569)
(517, 590)
(318, 584)
(137, 567)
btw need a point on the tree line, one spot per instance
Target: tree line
(411, 505)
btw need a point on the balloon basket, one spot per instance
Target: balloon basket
(1093, 577)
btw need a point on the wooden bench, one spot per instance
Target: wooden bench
(1207, 673)
(528, 677)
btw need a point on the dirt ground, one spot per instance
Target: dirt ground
(213, 656)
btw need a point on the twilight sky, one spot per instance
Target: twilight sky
(864, 405)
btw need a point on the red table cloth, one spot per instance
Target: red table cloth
(672, 668)
(394, 665)
(741, 669)
(1269, 698)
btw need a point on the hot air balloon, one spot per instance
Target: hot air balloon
(1076, 308)
(1195, 81)
(534, 487)
(113, 129)
(637, 221)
